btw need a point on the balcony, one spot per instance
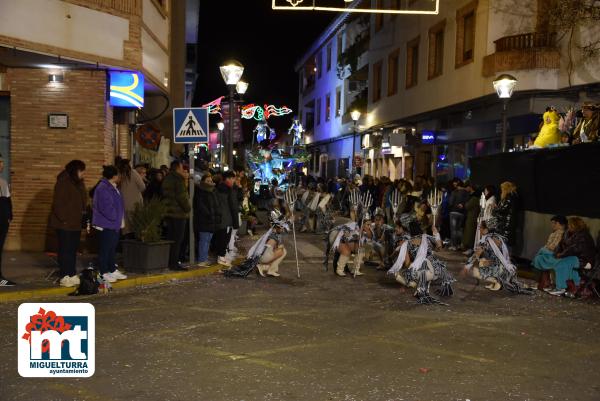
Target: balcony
(528, 51)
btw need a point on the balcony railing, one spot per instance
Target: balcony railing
(532, 40)
(527, 51)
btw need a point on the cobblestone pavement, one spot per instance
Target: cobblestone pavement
(324, 338)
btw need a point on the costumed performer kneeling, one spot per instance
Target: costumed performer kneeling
(267, 253)
(343, 241)
(491, 262)
(416, 265)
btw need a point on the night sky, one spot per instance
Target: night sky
(267, 42)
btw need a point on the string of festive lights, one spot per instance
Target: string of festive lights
(252, 111)
(214, 107)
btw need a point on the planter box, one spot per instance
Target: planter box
(140, 257)
(243, 230)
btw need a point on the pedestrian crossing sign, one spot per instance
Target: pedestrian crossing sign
(190, 125)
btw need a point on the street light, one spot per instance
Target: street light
(220, 127)
(232, 72)
(355, 114)
(242, 87)
(504, 85)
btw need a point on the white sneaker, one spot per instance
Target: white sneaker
(69, 281)
(223, 261)
(109, 277)
(118, 275)
(588, 266)
(557, 293)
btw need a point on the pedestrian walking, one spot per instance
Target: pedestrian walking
(68, 217)
(5, 219)
(472, 210)
(207, 215)
(108, 219)
(177, 202)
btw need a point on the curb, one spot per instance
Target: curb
(128, 283)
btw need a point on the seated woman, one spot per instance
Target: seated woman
(493, 263)
(424, 268)
(575, 251)
(544, 260)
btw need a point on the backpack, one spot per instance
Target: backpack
(88, 283)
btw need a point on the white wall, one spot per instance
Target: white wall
(156, 22)
(47, 22)
(154, 58)
(455, 85)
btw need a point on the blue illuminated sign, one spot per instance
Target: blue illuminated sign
(428, 137)
(126, 89)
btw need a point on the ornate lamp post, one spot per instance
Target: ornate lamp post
(355, 114)
(504, 85)
(232, 72)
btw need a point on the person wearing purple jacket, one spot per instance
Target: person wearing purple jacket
(108, 219)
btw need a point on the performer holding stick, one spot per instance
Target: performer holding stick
(291, 197)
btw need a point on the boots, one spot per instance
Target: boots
(262, 268)
(274, 267)
(544, 282)
(341, 264)
(493, 285)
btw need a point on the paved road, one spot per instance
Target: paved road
(325, 338)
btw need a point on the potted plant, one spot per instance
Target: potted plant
(147, 252)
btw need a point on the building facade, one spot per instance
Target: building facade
(56, 57)
(330, 89)
(425, 85)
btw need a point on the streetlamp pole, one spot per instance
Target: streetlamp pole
(230, 130)
(504, 85)
(354, 150)
(221, 127)
(355, 114)
(232, 73)
(504, 124)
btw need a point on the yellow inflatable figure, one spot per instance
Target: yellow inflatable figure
(549, 134)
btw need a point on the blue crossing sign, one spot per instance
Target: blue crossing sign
(190, 125)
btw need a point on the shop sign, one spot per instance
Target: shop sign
(126, 89)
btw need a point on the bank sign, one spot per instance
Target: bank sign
(126, 89)
(56, 340)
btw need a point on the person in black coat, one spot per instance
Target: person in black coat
(207, 215)
(229, 216)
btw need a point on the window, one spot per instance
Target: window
(392, 82)
(328, 107)
(377, 68)
(465, 34)
(412, 62)
(340, 45)
(329, 50)
(319, 64)
(338, 102)
(436, 50)
(378, 16)
(318, 111)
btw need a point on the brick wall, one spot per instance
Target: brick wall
(39, 153)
